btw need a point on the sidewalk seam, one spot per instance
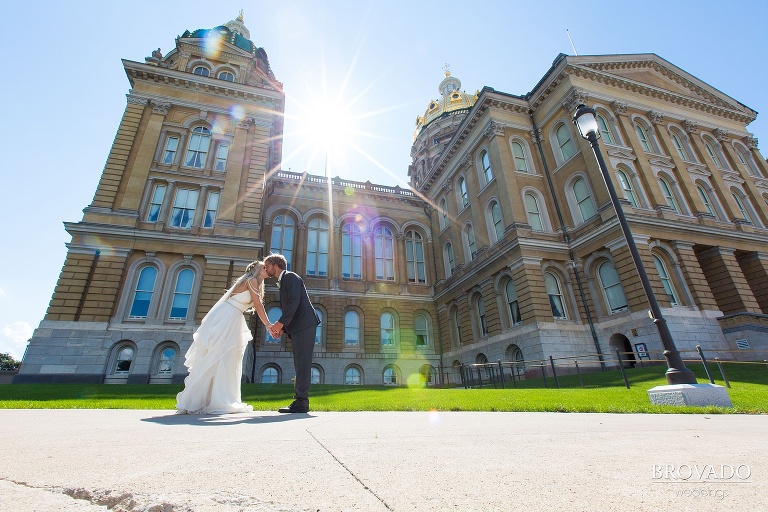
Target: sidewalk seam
(350, 471)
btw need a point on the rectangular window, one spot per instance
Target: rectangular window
(211, 208)
(184, 208)
(153, 213)
(171, 146)
(221, 157)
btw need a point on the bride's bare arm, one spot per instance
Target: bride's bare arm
(257, 305)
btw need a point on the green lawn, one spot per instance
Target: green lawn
(602, 392)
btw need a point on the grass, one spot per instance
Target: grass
(602, 392)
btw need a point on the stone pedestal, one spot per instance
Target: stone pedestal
(690, 394)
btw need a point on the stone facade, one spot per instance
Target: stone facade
(506, 247)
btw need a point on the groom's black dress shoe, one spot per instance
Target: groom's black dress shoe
(295, 407)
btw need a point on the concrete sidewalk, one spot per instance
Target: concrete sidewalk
(97, 460)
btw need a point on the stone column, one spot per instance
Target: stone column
(139, 170)
(503, 166)
(754, 265)
(237, 161)
(694, 276)
(300, 256)
(727, 281)
(401, 260)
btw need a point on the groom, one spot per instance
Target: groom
(299, 321)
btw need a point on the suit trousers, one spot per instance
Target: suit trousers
(303, 346)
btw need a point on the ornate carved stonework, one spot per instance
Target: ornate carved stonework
(690, 126)
(137, 101)
(532, 135)
(619, 108)
(720, 134)
(160, 107)
(467, 161)
(494, 129)
(447, 186)
(655, 117)
(574, 99)
(750, 141)
(245, 123)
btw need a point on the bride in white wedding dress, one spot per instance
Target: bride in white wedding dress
(215, 358)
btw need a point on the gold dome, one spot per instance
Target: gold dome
(452, 98)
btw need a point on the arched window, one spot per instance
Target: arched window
(584, 199)
(319, 328)
(680, 148)
(450, 262)
(605, 131)
(316, 376)
(614, 293)
(669, 196)
(269, 375)
(387, 329)
(351, 328)
(201, 70)
(351, 251)
(746, 160)
(184, 205)
(626, 186)
(273, 314)
(182, 294)
(513, 306)
(427, 374)
(384, 249)
(643, 136)
(352, 377)
(713, 155)
(555, 296)
(518, 153)
(744, 212)
(707, 201)
(282, 237)
(533, 212)
(443, 214)
(142, 296)
(414, 256)
(197, 149)
(469, 236)
(390, 376)
(567, 147)
(482, 321)
(124, 359)
(457, 326)
(226, 75)
(463, 193)
(317, 248)
(498, 224)
(167, 361)
(665, 280)
(420, 329)
(487, 171)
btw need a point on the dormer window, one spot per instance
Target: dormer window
(202, 71)
(226, 75)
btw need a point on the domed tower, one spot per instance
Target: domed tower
(436, 127)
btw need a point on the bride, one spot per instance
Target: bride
(215, 358)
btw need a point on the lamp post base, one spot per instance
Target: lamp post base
(700, 395)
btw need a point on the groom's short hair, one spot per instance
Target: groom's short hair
(277, 259)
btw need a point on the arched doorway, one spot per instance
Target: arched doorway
(626, 354)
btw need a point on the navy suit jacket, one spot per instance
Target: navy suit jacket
(297, 310)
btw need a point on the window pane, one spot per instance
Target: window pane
(273, 315)
(182, 294)
(143, 293)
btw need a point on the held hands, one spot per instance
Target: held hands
(275, 330)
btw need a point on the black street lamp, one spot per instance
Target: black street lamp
(585, 120)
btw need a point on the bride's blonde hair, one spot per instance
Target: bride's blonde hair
(253, 270)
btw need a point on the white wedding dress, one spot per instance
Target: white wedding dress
(215, 360)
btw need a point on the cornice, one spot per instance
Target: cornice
(596, 72)
(183, 80)
(131, 234)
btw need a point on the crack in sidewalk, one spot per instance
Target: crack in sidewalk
(350, 471)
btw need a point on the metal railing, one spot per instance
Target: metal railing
(510, 374)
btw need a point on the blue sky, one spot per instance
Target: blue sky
(63, 87)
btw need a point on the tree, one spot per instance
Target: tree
(7, 363)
